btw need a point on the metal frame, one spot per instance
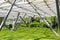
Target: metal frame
(58, 14)
(43, 18)
(35, 9)
(3, 22)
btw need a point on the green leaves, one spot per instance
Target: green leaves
(23, 25)
(34, 24)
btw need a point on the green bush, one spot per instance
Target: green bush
(54, 22)
(34, 24)
(10, 26)
(23, 25)
(37, 19)
(43, 24)
(26, 19)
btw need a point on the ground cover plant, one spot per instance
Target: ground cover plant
(37, 30)
(26, 33)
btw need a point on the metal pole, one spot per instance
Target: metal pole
(3, 22)
(58, 14)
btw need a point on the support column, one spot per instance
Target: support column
(58, 14)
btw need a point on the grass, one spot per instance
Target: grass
(25, 33)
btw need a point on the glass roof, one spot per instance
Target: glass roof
(44, 7)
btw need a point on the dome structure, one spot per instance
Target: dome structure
(44, 7)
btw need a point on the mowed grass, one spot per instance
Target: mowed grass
(25, 33)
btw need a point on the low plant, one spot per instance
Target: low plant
(10, 26)
(23, 25)
(34, 24)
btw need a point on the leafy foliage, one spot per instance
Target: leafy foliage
(10, 26)
(23, 25)
(37, 22)
(43, 24)
(30, 33)
(34, 24)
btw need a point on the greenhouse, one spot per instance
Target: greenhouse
(29, 20)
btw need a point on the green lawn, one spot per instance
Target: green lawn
(25, 33)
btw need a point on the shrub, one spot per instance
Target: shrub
(43, 24)
(10, 26)
(34, 24)
(23, 25)
(26, 19)
(37, 19)
(54, 22)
